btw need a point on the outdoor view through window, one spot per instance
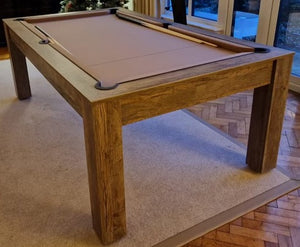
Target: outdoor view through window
(245, 22)
(288, 30)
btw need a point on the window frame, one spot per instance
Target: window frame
(268, 15)
(216, 26)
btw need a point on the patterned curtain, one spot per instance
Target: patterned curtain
(147, 7)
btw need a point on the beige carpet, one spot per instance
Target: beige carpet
(178, 173)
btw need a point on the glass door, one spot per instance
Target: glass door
(245, 19)
(271, 22)
(288, 31)
(249, 19)
(206, 14)
(206, 9)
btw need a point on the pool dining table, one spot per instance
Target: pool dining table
(116, 67)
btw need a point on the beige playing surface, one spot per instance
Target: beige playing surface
(115, 51)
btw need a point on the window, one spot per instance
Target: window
(245, 19)
(206, 9)
(288, 31)
(204, 13)
(271, 22)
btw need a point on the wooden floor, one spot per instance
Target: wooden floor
(276, 224)
(3, 53)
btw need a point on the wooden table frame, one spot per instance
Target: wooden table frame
(267, 74)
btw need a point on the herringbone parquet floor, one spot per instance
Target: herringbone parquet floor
(276, 224)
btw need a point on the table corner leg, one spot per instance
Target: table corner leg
(19, 68)
(103, 138)
(267, 118)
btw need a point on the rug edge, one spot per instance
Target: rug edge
(229, 215)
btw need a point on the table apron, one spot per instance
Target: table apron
(185, 93)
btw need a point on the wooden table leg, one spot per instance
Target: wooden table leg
(19, 70)
(267, 118)
(103, 138)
